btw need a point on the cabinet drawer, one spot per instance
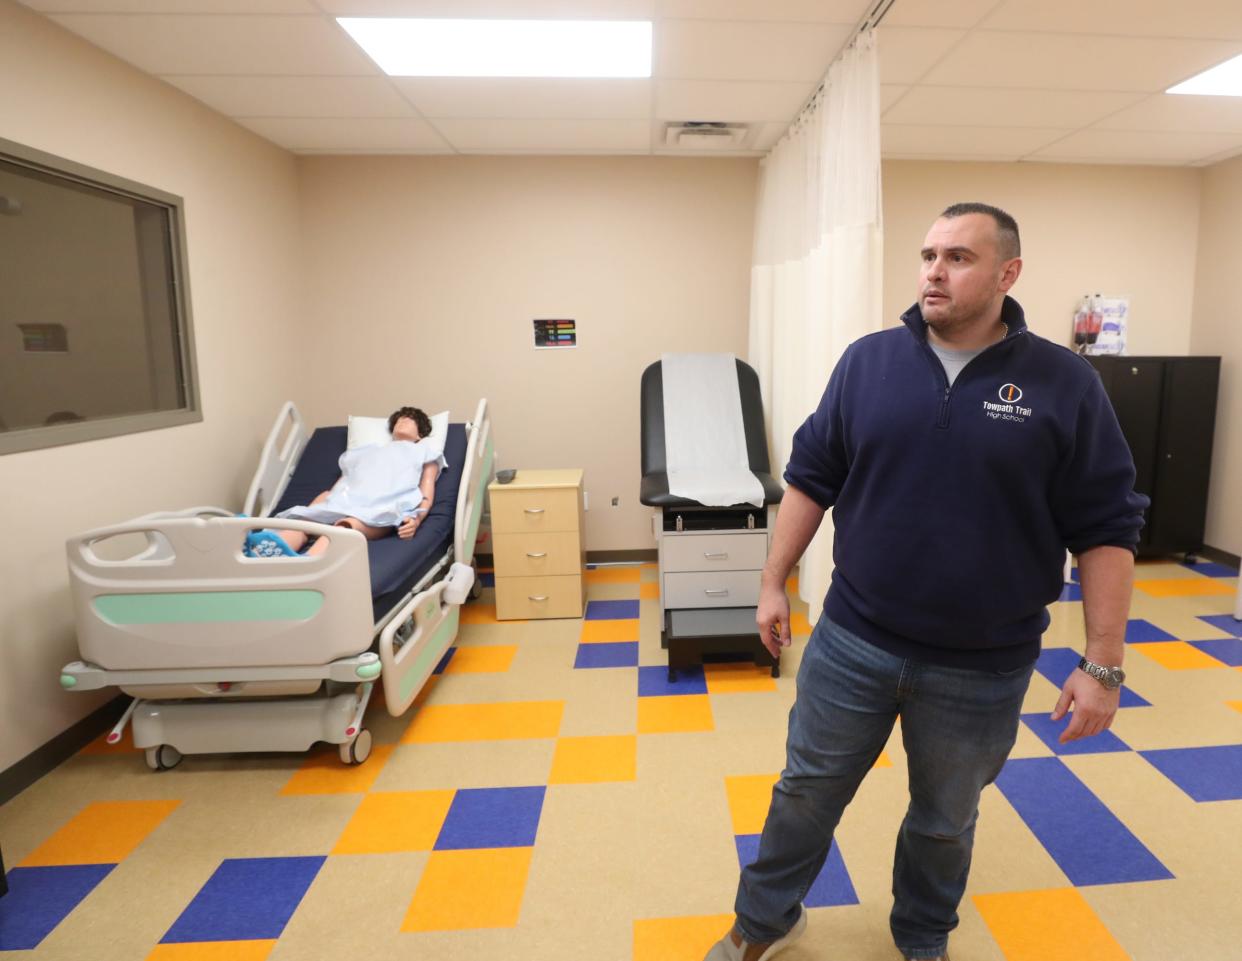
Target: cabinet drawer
(525, 511)
(743, 551)
(520, 598)
(556, 552)
(711, 589)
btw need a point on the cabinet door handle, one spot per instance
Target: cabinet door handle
(534, 510)
(719, 556)
(533, 597)
(538, 555)
(716, 593)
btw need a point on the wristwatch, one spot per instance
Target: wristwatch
(1110, 677)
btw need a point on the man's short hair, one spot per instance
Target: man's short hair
(1010, 245)
(421, 420)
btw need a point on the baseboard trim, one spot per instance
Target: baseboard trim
(1221, 557)
(59, 749)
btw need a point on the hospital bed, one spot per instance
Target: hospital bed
(228, 653)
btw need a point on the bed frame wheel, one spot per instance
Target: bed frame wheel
(476, 586)
(163, 758)
(357, 750)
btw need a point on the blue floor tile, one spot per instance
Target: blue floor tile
(487, 579)
(1070, 592)
(40, 898)
(444, 661)
(1083, 836)
(1223, 622)
(1226, 649)
(1205, 773)
(502, 817)
(1139, 631)
(246, 899)
(1211, 569)
(1047, 730)
(654, 682)
(611, 610)
(831, 888)
(611, 654)
(1056, 663)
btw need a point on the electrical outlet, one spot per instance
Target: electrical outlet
(616, 502)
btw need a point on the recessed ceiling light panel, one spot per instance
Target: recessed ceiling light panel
(504, 48)
(1223, 80)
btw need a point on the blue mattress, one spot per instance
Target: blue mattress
(396, 564)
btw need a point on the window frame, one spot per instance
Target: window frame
(41, 437)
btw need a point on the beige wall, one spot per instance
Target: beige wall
(1130, 231)
(1216, 331)
(69, 99)
(423, 276)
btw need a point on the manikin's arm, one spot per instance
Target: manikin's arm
(797, 521)
(427, 486)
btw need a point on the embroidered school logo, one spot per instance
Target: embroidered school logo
(1009, 409)
(1010, 393)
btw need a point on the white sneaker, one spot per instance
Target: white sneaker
(726, 950)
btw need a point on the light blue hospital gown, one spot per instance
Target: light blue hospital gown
(378, 485)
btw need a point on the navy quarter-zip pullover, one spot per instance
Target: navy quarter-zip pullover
(953, 506)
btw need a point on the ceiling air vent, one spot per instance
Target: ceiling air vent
(705, 135)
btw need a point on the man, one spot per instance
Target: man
(962, 455)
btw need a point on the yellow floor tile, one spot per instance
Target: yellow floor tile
(678, 939)
(1183, 587)
(101, 833)
(390, 821)
(324, 773)
(882, 761)
(649, 592)
(213, 951)
(738, 678)
(504, 721)
(791, 585)
(649, 572)
(1056, 925)
(1177, 655)
(749, 797)
(613, 575)
(675, 714)
(481, 613)
(485, 659)
(588, 760)
(798, 624)
(470, 889)
(609, 632)
(1236, 705)
(101, 746)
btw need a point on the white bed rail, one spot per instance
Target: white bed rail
(480, 455)
(277, 462)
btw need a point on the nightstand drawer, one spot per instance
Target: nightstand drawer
(526, 511)
(711, 589)
(527, 555)
(740, 551)
(521, 598)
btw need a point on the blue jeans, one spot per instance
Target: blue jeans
(958, 727)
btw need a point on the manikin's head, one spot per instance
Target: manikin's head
(971, 257)
(408, 423)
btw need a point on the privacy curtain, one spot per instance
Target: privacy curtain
(816, 274)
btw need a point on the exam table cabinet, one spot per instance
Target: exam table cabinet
(1167, 410)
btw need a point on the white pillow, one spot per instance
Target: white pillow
(374, 430)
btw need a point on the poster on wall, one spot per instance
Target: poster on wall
(1100, 324)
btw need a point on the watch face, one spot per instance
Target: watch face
(1114, 677)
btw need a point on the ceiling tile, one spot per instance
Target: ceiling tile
(729, 100)
(297, 96)
(355, 135)
(717, 50)
(1170, 112)
(849, 12)
(964, 143)
(1207, 19)
(890, 93)
(906, 53)
(547, 136)
(1131, 146)
(969, 106)
(1068, 62)
(173, 6)
(495, 9)
(169, 44)
(528, 97)
(936, 13)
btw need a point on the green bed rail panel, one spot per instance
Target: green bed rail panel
(426, 660)
(206, 607)
(472, 522)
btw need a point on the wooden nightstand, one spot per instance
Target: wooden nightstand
(537, 544)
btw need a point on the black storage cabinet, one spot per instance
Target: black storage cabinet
(1167, 410)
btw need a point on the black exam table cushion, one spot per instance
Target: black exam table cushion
(396, 564)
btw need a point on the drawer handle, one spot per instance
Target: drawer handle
(534, 510)
(538, 555)
(721, 556)
(532, 597)
(716, 593)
